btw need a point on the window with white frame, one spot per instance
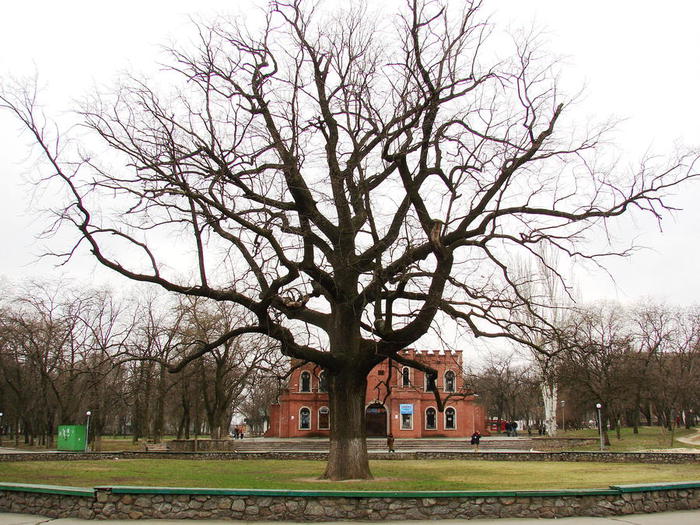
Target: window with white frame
(322, 382)
(450, 419)
(405, 376)
(449, 381)
(406, 421)
(429, 383)
(304, 419)
(324, 419)
(430, 419)
(305, 382)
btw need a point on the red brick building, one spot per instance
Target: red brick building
(408, 410)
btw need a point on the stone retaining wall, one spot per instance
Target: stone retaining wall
(561, 443)
(232, 445)
(606, 457)
(256, 505)
(51, 505)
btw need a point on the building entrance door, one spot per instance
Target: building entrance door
(375, 420)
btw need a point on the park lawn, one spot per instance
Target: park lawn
(302, 475)
(648, 438)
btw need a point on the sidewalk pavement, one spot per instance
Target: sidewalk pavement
(686, 517)
(691, 440)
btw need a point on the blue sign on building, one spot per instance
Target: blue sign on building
(406, 409)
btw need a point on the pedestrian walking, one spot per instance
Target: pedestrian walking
(390, 442)
(476, 437)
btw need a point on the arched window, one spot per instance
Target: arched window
(305, 382)
(405, 376)
(430, 419)
(324, 420)
(450, 419)
(449, 381)
(322, 382)
(304, 419)
(429, 383)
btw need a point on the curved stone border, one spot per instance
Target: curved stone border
(117, 502)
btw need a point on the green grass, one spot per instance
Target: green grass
(301, 475)
(648, 438)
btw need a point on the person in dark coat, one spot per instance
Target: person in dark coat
(390, 442)
(476, 437)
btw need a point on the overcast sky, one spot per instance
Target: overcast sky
(639, 61)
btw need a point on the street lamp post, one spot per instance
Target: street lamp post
(474, 414)
(1, 414)
(87, 429)
(600, 425)
(563, 418)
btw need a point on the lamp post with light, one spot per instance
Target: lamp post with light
(600, 425)
(87, 429)
(1, 414)
(563, 414)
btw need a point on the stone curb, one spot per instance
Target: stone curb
(117, 502)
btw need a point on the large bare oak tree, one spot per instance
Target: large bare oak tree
(350, 180)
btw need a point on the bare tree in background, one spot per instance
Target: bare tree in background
(262, 393)
(654, 330)
(350, 180)
(673, 377)
(57, 347)
(156, 340)
(549, 301)
(599, 358)
(226, 373)
(505, 388)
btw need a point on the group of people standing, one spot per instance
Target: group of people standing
(511, 429)
(237, 433)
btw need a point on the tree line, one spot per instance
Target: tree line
(65, 350)
(640, 363)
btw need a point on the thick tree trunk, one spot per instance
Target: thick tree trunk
(184, 427)
(604, 424)
(348, 447)
(97, 430)
(218, 429)
(159, 408)
(549, 400)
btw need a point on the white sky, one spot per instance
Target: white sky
(640, 61)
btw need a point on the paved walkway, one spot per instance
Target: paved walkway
(689, 517)
(691, 440)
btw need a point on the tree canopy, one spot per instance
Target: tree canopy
(349, 180)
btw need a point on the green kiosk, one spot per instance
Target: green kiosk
(71, 437)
